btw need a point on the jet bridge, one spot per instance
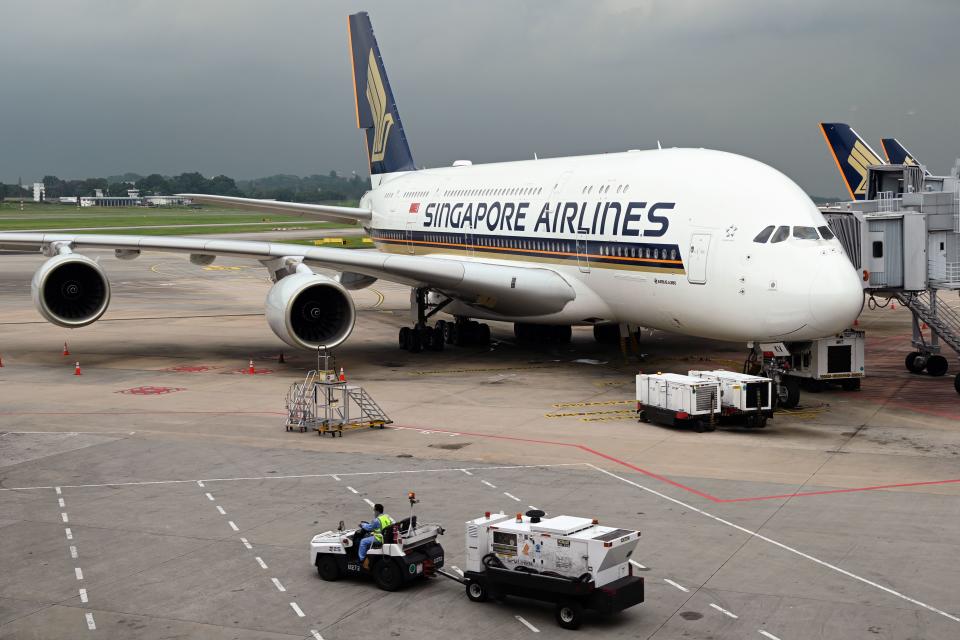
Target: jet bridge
(905, 241)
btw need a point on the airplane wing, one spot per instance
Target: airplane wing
(511, 290)
(326, 212)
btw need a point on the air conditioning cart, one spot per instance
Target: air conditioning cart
(743, 398)
(575, 563)
(678, 400)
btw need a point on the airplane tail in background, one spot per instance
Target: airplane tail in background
(897, 153)
(852, 154)
(387, 148)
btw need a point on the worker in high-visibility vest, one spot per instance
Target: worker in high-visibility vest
(375, 528)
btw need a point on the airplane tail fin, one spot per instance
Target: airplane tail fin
(852, 154)
(387, 148)
(897, 153)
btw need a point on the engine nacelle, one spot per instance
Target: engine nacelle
(307, 310)
(70, 290)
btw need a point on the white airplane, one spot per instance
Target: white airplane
(696, 242)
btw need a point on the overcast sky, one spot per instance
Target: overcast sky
(249, 89)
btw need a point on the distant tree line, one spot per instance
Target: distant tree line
(315, 188)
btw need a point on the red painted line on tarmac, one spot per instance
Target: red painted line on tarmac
(133, 413)
(679, 485)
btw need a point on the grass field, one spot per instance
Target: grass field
(183, 220)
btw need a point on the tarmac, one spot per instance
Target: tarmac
(158, 494)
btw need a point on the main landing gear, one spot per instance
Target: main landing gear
(422, 337)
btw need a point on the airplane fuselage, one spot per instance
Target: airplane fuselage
(662, 239)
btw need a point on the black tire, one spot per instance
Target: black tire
(415, 345)
(606, 333)
(911, 362)
(449, 331)
(564, 334)
(404, 338)
(850, 384)
(477, 591)
(789, 392)
(643, 417)
(438, 338)
(387, 575)
(569, 614)
(698, 426)
(937, 366)
(956, 383)
(484, 335)
(328, 569)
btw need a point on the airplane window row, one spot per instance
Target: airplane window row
(779, 234)
(416, 194)
(638, 252)
(621, 188)
(505, 191)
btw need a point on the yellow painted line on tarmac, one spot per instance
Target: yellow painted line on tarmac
(606, 418)
(577, 414)
(604, 403)
(380, 298)
(224, 268)
(440, 372)
(155, 268)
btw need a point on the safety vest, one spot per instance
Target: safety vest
(385, 521)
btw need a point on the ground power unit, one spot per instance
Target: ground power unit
(743, 398)
(575, 563)
(678, 400)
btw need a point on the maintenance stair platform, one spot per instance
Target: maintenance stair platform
(326, 404)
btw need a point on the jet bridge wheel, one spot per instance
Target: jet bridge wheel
(569, 614)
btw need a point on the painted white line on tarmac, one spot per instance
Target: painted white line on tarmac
(678, 586)
(63, 516)
(302, 476)
(246, 543)
(277, 584)
(527, 624)
(79, 573)
(767, 634)
(466, 472)
(209, 497)
(220, 509)
(233, 525)
(368, 501)
(352, 490)
(316, 634)
(511, 496)
(73, 552)
(729, 614)
(263, 565)
(90, 623)
(61, 503)
(58, 490)
(336, 477)
(492, 486)
(83, 595)
(68, 532)
(297, 610)
(637, 564)
(200, 483)
(760, 536)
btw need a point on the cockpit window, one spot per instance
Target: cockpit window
(826, 233)
(764, 235)
(805, 233)
(782, 234)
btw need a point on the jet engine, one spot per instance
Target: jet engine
(70, 290)
(307, 310)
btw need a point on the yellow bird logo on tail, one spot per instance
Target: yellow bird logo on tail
(382, 118)
(860, 158)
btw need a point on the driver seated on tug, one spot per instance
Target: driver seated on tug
(375, 530)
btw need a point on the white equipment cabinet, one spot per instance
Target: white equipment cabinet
(573, 562)
(743, 397)
(674, 399)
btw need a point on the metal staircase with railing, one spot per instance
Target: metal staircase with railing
(326, 404)
(943, 319)
(369, 409)
(300, 405)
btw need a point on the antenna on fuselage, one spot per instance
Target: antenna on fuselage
(659, 146)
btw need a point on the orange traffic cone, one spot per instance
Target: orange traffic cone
(76, 369)
(892, 307)
(280, 360)
(66, 351)
(250, 368)
(343, 378)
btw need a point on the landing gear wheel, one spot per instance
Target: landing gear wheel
(477, 592)
(387, 575)
(956, 383)
(850, 384)
(915, 362)
(483, 335)
(606, 333)
(328, 568)
(416, 341)
(569, 614)
(449, 332)
(437, 339)
(788, 392)
(937, 366)
(404, 338)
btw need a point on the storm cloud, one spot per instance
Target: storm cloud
(94, 88)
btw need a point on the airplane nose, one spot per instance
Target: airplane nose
(836, 296)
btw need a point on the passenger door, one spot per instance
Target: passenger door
(697, 260)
